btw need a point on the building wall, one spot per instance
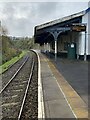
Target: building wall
(61, 41)
(76, 39)
(89, 4)
(70, 37)
(85, 19)
(89, 31)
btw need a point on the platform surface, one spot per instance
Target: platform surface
(55, 104)
(60, 99)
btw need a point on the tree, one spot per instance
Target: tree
(4, 30)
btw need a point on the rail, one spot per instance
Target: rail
(24, 98)
(15, 74)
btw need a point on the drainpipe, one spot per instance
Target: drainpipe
(85, 56)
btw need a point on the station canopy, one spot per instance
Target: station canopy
(42, 33)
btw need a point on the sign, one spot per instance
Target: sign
(78, 28)
(72, 45)
(59, 29)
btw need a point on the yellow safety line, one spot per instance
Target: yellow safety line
(78, 106)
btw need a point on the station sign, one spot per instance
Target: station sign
(78, 28)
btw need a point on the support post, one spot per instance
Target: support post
(77, 56)
(55, 50)
(47, 47)
(44, 47)
(85, 56)
(55, 34)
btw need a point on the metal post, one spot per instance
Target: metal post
(44, 47)
(85, 56)
(55, 50)
(47, 47)
(55, 34)
(77, 56)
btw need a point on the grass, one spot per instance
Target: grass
(6, 65)
(0, 58)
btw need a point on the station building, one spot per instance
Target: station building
(68, 36)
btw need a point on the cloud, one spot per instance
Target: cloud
(20, 18)
(44, 8)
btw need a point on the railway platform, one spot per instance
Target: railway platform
(58, 98)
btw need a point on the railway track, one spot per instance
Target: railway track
(14, 92)
(15, 74)
(6, 76)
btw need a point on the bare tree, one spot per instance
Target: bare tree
(4, 30)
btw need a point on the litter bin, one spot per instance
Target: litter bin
(71, 51)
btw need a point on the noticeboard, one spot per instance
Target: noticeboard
(79, 28)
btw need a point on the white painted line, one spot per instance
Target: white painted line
(41, 112)
(66, 99)
(64, 96)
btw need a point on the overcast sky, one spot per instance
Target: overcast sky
(20, 18)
